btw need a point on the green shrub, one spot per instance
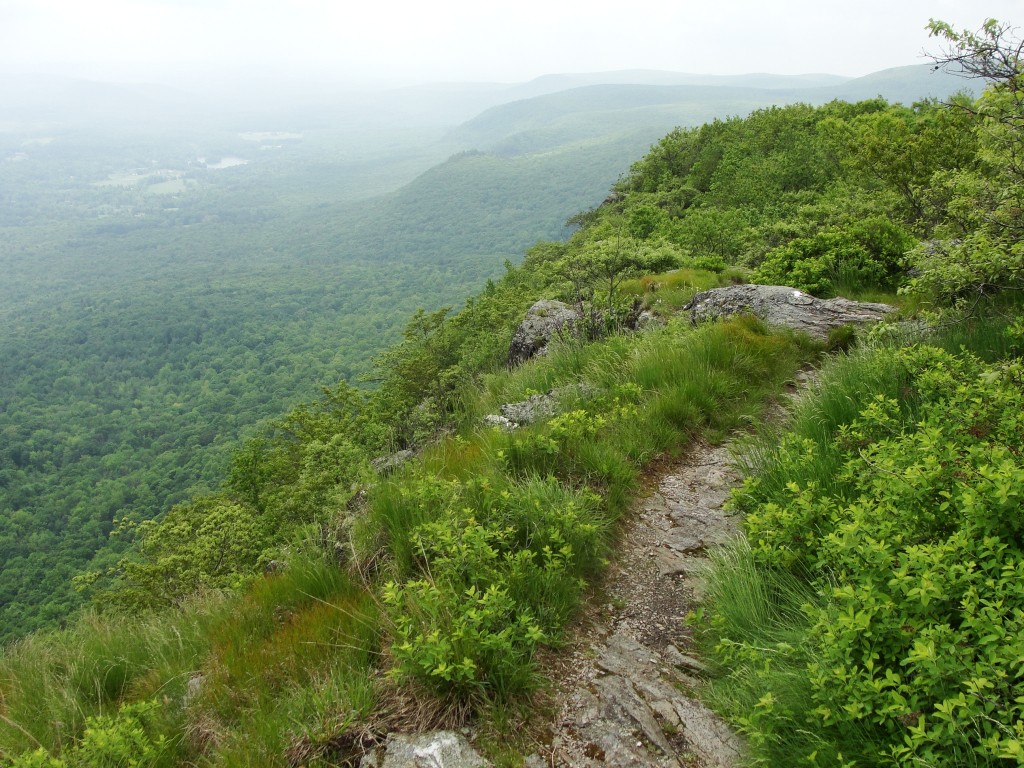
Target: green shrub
(867, 254)
(501, 571)
(209, 543)
(913, 529)
(109, 741)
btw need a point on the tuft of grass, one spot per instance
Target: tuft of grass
(297, 644)
(757, 640)
(671, 291)
(300, 651)
(51, 682)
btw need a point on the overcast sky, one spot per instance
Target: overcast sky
(470, 40)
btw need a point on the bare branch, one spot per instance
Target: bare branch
(995, 52)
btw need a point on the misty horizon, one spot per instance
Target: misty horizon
(224, 43)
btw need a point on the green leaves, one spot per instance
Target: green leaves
(108, 741)
(495, 580)
(209, 543)
(917, 542)
(987, 198)
(868, 254)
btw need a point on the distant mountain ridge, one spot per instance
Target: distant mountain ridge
(35, 98)
(599, 107)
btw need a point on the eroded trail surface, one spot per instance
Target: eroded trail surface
(626, 692)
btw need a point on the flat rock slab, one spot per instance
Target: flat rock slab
(781, 306)
(436, 749)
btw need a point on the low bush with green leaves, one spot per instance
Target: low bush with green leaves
(499, 571)
(908, 520)
(868, 254)
(109, 741)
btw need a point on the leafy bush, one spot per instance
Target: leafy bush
(109, 741)
(868, 254)
(916, 543)
(209, 543)
(501, 570)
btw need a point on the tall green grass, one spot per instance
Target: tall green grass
(50, 683)
(295, 649)
(756, 641)
(670, 292)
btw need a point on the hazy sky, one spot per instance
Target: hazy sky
(400, 41)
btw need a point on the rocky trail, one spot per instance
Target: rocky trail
(627, 693)
(626, 687)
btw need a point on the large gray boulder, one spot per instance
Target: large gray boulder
(543, 321)
(439, 749)
(781, 306)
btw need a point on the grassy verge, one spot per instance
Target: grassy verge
(874, 618)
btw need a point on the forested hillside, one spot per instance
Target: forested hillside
(174, 280)
(305, 606)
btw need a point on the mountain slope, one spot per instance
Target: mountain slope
(146, 331)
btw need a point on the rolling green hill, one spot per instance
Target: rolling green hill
(155, 310)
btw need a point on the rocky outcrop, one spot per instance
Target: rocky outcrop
(533, 409)
(543, 321)
(647, 319)
(439, 749)
(781, 306)
(385, 465)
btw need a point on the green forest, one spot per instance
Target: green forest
(174, 279)
(147, 332)
(873, 617)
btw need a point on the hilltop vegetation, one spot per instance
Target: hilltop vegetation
(161, 299)
(305, 605)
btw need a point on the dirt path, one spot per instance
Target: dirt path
(626, 693)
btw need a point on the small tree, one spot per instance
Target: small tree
(598, 269)
(989, 258)
(208, 543)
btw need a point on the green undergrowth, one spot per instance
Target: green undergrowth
(240, 679)
(670, 292)
(467, 562)
(487, 545)
(875, 616)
